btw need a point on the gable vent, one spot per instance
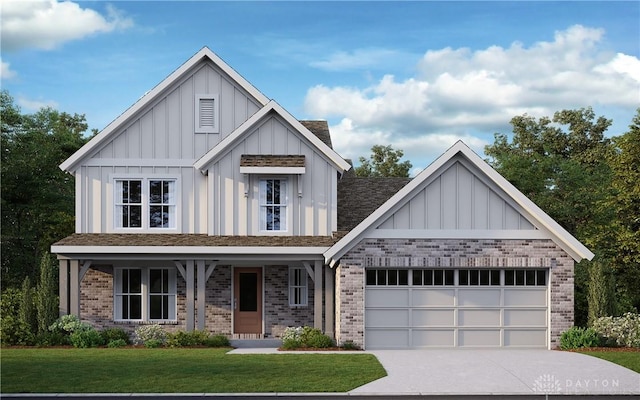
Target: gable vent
(206, 113)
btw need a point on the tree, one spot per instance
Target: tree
(384, 161)
(37, 197)
(601, 291)
(46, 299)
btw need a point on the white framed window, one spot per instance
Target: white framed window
(145, 203)
(298, 287)
(206, 113)
(145, 294)
(273, 205)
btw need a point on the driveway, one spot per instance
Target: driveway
(498, 372)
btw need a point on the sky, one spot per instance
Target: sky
(416, 75)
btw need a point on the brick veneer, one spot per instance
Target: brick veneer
(450, 253)
(96, 301)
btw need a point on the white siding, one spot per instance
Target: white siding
(312, 213)
(457, 199)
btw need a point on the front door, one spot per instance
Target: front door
(247, 300)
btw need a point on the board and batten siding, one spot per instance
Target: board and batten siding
(312, 196)
(160, 140)
(458, 199)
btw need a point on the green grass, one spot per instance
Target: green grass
(130, 370)
(629, 360)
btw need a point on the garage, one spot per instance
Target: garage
(423, 308)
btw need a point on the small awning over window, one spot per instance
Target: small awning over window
(272, 164)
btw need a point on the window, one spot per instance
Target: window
(145, 294)
(206, 113)
(387, 277)
(479, 277)
(145, 203)
(297, 287)
(273, 205)
(128, 296)
(433, 277)
(525, 277)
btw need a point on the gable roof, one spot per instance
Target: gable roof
(271, 107)
(204, 54)
(557, 233)
(320, 129)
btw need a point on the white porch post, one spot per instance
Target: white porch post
(201, 294)
(74, 301)
(190, 295)
(317, 294)
(328, 302)
(63, 295)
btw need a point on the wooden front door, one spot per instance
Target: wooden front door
(247, 300)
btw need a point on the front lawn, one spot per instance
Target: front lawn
(181, 371)
(628, 359)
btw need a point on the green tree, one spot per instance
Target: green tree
(46, 295)
(601, 291)
(27, 312)
(37, 197)
(384, 161)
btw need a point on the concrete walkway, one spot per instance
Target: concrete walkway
(491, 372)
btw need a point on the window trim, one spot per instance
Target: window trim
(145, 202)
(145, 294)
(215, 128)
(303, 286)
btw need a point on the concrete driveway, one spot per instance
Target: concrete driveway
(498, 372)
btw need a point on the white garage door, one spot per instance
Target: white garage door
(414, 308)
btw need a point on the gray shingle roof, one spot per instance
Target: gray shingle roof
(172, 240)
(320, 129)
(358, 197)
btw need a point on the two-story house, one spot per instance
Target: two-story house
(208, 206)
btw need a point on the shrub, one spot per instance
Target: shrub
(115, 343)
(112, 334)
(349, 345)
(619, 331)
(578, 337)
(152, 343)
(67, 324)
(27, 313)
(13, 330)
(46, 300)
(601, 291)
(217, 341)
(294, 338)
(52, 339)
(187, 339)
(86, 337)
(146, 333)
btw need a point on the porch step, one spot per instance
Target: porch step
(255, 343)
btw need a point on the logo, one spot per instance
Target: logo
(547, 384)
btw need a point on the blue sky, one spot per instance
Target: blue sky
(416, 75)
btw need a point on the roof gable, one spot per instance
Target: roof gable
(512, 197)
(106, 134)
(243, 130)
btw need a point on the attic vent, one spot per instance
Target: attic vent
(206, 113)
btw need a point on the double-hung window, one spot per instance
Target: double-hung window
(297, 287)
(148, 203)
(273, 205)
(145, 294)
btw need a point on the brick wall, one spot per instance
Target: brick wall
(218, 301)
(451, 253)
(278, 314)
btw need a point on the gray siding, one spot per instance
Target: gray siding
(458, 198)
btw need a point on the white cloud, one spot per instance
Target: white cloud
(6, 72)
(31, 106)
(46, 24)
(457, 93)
(358, 59)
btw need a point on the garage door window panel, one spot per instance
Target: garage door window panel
(525, 277)
(387, 277)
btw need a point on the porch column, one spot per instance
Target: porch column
(63, 295)
(328, 302)
(74, 283)
(190, 295)
(317, 294)
(202, 281)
